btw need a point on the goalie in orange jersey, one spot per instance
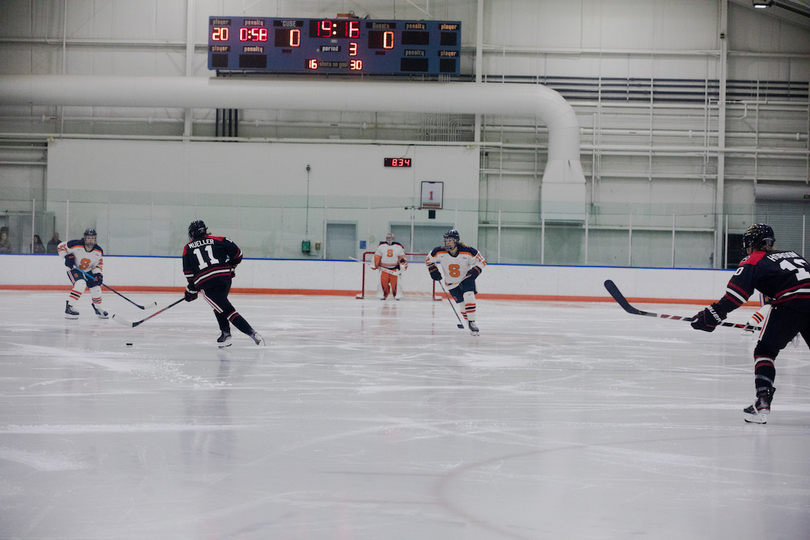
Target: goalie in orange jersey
(390, 260)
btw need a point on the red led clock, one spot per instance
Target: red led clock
(396, 162)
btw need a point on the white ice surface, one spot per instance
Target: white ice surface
(364, 419)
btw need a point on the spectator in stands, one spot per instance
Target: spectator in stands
(5, 243)
(37, 246)
(53, 243)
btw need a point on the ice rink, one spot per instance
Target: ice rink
(364, 419)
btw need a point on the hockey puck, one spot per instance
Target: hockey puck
(129, 344)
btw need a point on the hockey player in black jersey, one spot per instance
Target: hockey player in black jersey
(208, 264)
(783, 276)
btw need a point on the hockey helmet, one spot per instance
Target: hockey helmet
(197, 230)
(389, 238)
(90, 232)
(757, 236)
(451, 234)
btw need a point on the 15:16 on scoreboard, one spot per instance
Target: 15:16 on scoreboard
(359, 46)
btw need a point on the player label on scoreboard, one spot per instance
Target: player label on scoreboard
(345, 45)
(432, 193)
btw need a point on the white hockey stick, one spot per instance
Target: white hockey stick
(386, 270)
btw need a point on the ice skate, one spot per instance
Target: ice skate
(473, 328)
(757, 413)
(224, 340)
(257, 338)
(101, 313)
(70, 313)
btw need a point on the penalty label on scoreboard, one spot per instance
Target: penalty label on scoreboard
(432, 195)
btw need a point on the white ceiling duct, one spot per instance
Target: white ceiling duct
(563, 187)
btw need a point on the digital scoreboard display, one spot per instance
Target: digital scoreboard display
(345, 45)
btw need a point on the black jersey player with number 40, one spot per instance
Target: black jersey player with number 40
(208, 264)
(783, 276)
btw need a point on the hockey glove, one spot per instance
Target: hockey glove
(70, 260)
(191, 294)
(436, 275)
(98, 278)
(233, 272)
(708, 319)
(474, 272)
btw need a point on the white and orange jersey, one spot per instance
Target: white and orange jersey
(455, 269)
(85, 260)
(390, 255)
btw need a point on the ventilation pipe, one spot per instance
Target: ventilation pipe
(563, 186)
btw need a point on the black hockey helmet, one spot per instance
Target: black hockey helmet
(757, 236)
(452, 234)
(197, 230)
(90, 232)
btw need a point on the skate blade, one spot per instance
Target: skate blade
(756, 418)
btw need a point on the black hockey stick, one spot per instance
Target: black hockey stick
(460, 324)
(121, 320)
(90, 276)
(622, 301)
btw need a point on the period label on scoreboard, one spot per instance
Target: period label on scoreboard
(344, 45)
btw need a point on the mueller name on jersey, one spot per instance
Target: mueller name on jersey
(199, 243)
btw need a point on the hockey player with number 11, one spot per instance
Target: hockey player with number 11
(209, 264)
(461, 265)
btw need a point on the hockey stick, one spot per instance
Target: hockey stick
(121, 320)
(90, 276)
(386, 270)
(460, 324)
(622, 301)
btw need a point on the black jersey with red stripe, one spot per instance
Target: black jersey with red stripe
(783, 276)
(209, 258)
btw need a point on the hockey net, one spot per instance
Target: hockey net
(414, 283)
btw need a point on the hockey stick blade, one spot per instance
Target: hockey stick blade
(622, 301)
(130, 324)
(122, 321)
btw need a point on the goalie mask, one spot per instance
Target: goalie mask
(389, 238)
(451, 239)
(758, 236)
(197, 230)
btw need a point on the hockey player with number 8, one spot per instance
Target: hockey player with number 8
(85, 260)
(209, 264)
(783, 276)
(461, 265)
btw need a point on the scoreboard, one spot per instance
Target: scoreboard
(342, 45)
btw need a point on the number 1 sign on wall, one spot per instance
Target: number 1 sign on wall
(432, 193)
